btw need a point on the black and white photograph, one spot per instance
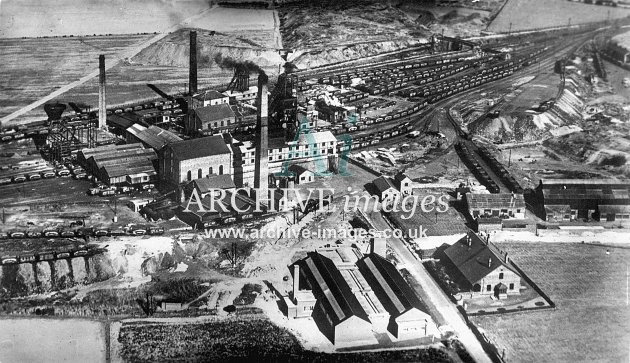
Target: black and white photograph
(435, 181)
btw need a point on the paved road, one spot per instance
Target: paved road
(432, 295)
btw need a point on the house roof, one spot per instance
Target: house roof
(503, 200)
(205, 185)
(199, 148)
(383, 183)
(214, 112)
(472, 261)
(331, 289)
(390, 287)
(298, 169)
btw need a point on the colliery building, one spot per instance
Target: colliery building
(186, 160)
(213, 117)
(152, 137)
(481, 268)
(119, 164)
(351, 296)
(561, 200)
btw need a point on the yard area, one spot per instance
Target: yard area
(592, 319)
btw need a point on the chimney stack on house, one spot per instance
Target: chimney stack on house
(378, 245)
(102, 109)
(192, 71)
(261, 167)
(489, 262)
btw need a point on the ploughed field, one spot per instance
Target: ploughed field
(533, 14)
(592, 318)
(250, 339)
(33, 68)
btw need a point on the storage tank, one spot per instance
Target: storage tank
(54, 110)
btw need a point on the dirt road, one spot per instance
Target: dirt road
(432, 295)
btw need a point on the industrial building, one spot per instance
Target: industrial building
(408, 314)
(152, 137)
(301, 174)
(212, 117)
(481, 268)
(483, 206)
(119, 164)
(564, 200)
(195, 159)
(385, 189)
(356, 295)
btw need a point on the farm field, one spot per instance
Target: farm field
(592, 319)
(33, 68)
(251, 339)
(532, 14)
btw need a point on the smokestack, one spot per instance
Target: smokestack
(296, 279)
(261, 171)
(378, 246)
(192, 75)
(102, 113)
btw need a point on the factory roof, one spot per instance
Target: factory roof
(214, 112)
(316, 137)
(153, 136)
(390, 287)
(585, 183)
(199, 148)
(331, 289)
(383, 183)
(503, 200)
(614, 209)
(472, 260)
(582, 193)
(206, 185)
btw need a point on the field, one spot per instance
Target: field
(532, 14)
(252, 339)
(32, 68)
(592, 319)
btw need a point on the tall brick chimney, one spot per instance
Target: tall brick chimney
(102, 112)
(296, 279)
(261, 170)
(192, 71)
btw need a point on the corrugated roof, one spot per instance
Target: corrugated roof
(472, 261)
(614, 209)
(199, 148)
(550, 183)
(503, 200)
(155, 137)
(389, 285)
(214, 112)
(205, 185)
(331, 289)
